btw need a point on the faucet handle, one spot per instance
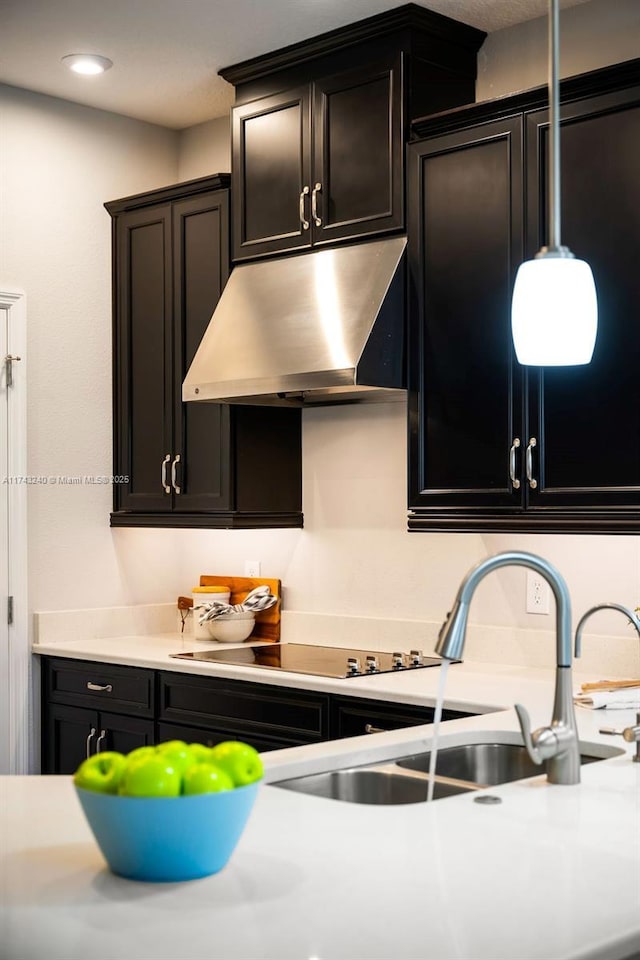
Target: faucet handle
(525, 725)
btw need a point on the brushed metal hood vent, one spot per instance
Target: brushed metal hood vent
(315, 328)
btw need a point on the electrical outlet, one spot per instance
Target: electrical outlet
(538, 593)
(252, 568)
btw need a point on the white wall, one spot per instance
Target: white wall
(59, 163)
(592, 35)
(205, 149)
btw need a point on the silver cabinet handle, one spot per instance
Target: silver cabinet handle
(533, 483)
(314, 205)
(103, 734)
(369, 728)
(174, 467)
(89, 739)
(163, 474)
(515, 483)
(303, 219)
(99, 687)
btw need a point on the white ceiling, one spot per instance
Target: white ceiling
(167, 53)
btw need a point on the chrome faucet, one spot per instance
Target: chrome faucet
(603, 606)
(557, 743)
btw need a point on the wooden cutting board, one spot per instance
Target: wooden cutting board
(268, 621)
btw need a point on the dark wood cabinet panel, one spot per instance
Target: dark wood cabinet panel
(587, 419)
(142, 365)
(210, 737)
(470, 401)
(185, 464)
(67, 735)
(358, 152)
(244, 708)
(319, 128)
(271, 151)
(100, 686)
(199, 709)
(465, 198)
(353, 717)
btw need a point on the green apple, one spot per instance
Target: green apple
(101, 773)
(140, 753)
(240, 760)
(206, 778)
(153, 776)
(200, 753)
(178, 752)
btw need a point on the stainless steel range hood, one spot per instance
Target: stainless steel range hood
(313, 328)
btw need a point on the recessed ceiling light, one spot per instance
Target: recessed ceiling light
(89, 64)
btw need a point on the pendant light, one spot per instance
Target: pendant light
(554, 312)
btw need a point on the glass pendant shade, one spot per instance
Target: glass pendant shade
(554, 312)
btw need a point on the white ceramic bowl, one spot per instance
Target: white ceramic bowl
(232, 627)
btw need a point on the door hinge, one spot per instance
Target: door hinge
(8, 361)
(9, 610)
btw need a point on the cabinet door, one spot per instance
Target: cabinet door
(202, 438)
(465, 400)
(357, 183)
(271, 168)
(143, 383)
(123, 733)
(586, 419)
(69, 736)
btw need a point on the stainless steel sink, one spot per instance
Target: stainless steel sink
(484, 764)
(381, 784)
(460, 769)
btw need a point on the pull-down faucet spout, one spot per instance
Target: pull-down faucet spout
(557, 743)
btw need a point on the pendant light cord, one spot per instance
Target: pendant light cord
(554, 127)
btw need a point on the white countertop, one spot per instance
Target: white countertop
(551, 873)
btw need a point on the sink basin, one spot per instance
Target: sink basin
(484, 764)
(382, 784)
(459, 769)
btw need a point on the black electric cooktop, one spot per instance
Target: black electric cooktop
(340, 662)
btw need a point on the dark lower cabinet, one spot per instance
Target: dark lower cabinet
(276, 716)
(90, 707)
(354, 716)
(147, 706)
(494, 445)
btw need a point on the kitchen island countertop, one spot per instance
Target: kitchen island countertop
(551, 873)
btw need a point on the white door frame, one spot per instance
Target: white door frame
(19, 631)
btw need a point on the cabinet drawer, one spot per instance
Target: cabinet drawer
(105, 686)
(210, 736)
(354, 717)
(245, 709)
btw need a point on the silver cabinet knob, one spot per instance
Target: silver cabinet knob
(372, 664)
(397, 661)
(415, 658)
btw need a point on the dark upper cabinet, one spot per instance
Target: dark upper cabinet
(465, 229)
(175, 463)
(318, 163)
(494, 445)
(587, 419)
(318, 130)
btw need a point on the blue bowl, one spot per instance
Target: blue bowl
(165, 839)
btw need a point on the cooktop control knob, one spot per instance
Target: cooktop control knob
(415, 657)
(397, 661)
(353, 666)
(372, 664)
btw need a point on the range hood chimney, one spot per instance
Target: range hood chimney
(308, 329)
